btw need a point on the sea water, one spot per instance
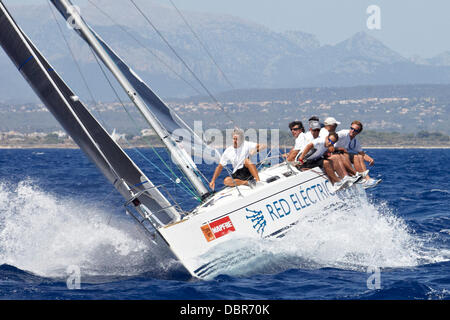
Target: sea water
(60, 218)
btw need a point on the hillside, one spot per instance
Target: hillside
(406, 109)
(250, 55)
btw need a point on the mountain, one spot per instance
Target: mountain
(250, 55)
(442, 59)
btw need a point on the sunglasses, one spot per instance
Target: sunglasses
(332, 143)
(353, 129)
(296, 129)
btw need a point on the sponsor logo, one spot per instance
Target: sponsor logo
(207, 232)
(292, 202)
(218, 228)
(258, 221)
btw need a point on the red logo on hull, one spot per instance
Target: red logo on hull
(218, 228)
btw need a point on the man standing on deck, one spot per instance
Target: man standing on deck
(354, 153)
(244, 171)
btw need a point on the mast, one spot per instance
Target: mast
(179, 155)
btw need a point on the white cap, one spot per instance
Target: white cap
(314, 125)
(330, 121)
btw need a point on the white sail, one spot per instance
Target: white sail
(75, 118)
(159, 116)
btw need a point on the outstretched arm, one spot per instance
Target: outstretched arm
(217, 172)
(308, 147)
(258, 148)
(369, 159)
(292, 154)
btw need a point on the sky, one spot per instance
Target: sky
(410, 27)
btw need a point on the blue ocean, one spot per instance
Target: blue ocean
(57, 213)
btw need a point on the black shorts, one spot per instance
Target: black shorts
(242, 174)
(309, 164)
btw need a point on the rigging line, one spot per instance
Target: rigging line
(194, 75)
(168, 66)
(187, 189)
(265, 158)
(68, 104)
(72, 54)
(146, 48)
(162, 61)
(79, 68)
(125, 109)
(202, 44)
(174, 113)
(132, 36)
(153, 149)
(182, 61)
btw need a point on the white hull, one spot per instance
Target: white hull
(269, 210)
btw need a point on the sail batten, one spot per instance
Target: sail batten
(77, 121)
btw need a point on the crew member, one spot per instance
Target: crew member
(353, 153)
(244, 171)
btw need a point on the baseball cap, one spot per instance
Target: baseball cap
(314, 125)
(330, 121)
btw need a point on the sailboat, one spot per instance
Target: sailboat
(267, 211)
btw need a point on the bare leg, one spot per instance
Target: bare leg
(252, 168)
(229, 182)
(338, 165)
(329, 171)
(347, 164)
(359, 164)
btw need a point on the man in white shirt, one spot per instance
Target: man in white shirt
(314, 129)
(303, 139)
(353, 153)
(330, 125)
(244, 171)
(298, 132)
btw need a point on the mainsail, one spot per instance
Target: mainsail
(74, 117)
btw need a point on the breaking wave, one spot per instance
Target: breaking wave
(358, 236)
(45, 235)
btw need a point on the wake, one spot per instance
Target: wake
(358, 236)
(46, 235)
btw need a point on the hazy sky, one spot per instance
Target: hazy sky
(411, 27)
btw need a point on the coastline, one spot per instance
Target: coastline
(72, 146)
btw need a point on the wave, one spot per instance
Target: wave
(358, 236)
(46, 234)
